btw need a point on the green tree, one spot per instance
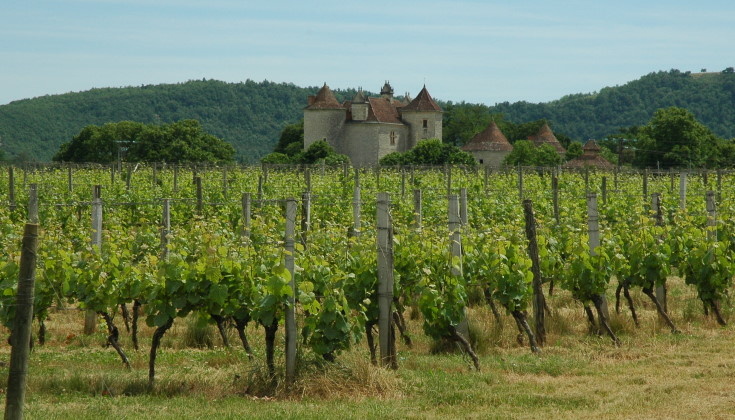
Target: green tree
(546, 155)
(524, 154)
(320, 151)
(674, 138)
(574, 150)
(182, 141)
(291, 141)
(430, 152)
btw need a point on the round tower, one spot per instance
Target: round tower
(324, 118)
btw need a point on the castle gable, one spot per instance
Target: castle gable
(383, 110)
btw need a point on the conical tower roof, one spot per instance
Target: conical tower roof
(490, 139)
(325, 99)
(546, 136)
(359, 97)
(422, 102)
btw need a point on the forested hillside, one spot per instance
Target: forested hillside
(250, 115)
(709, 96)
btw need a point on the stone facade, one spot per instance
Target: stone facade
(368, 128)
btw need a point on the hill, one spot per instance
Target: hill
(250, 115)
(709, 96)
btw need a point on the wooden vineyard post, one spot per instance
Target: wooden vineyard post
(246, 212)
(683, 191)
(455, 250)
(264, 169)
(719, 185)
(11, 188)
(386, 335)
(154, 177)
(555, 195)
(112, 174)
(305, 216)
(448, 176)
(21, 336)
(165, 228)
(538, 294)
(486, 177)
(645, 184)
(90, 318)
(593, 227)
(224, 182)
(129, 177)
(377, 176)
(711, 215)
(520, 183)
(417, 210)
(660, 291)
(260, 191)
(33, 204)
(291, 331)
(70, 179)
(403, 182)
(356, 208)
(615, 179)
(200, 195)
(463, 218)
(604, 190)
(176, 179)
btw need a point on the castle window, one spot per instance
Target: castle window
(392, 138)
(426, 123)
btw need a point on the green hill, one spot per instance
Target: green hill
(250, 115)
(709, 96)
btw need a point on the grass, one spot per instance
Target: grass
(654, 374)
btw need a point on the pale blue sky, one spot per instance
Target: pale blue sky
(476, 51)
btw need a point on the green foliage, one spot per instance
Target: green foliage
(430, 152)
(276, 158)
(574, 150)
(674, 138)
(182, 141)
(526, 154)
(320, 151)
(291, 141)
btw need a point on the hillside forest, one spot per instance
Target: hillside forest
(251, 115)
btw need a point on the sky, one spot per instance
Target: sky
(464, 50)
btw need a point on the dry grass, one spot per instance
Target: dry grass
(654, 374)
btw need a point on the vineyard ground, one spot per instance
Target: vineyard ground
(654, 374)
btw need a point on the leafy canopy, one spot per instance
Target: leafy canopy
(182, 141)
(429, 152)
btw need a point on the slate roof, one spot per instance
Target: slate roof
(325, 99)
(546, 136)
(490, 139)
(422, 102)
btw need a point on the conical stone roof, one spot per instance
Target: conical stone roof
(490, 139)
(325, 99)
(546, 136)
(422, 102)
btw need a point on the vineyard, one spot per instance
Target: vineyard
(301, 267)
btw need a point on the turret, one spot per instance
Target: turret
(324, 118)
(359, 107)
(424, 117)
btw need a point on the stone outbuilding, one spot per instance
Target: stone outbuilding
(590, 158)
(489, 147)
(546, 136)
(368, 128)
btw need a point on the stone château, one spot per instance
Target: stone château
(368, 128)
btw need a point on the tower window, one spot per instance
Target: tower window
(392, 138)
(426, 123)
